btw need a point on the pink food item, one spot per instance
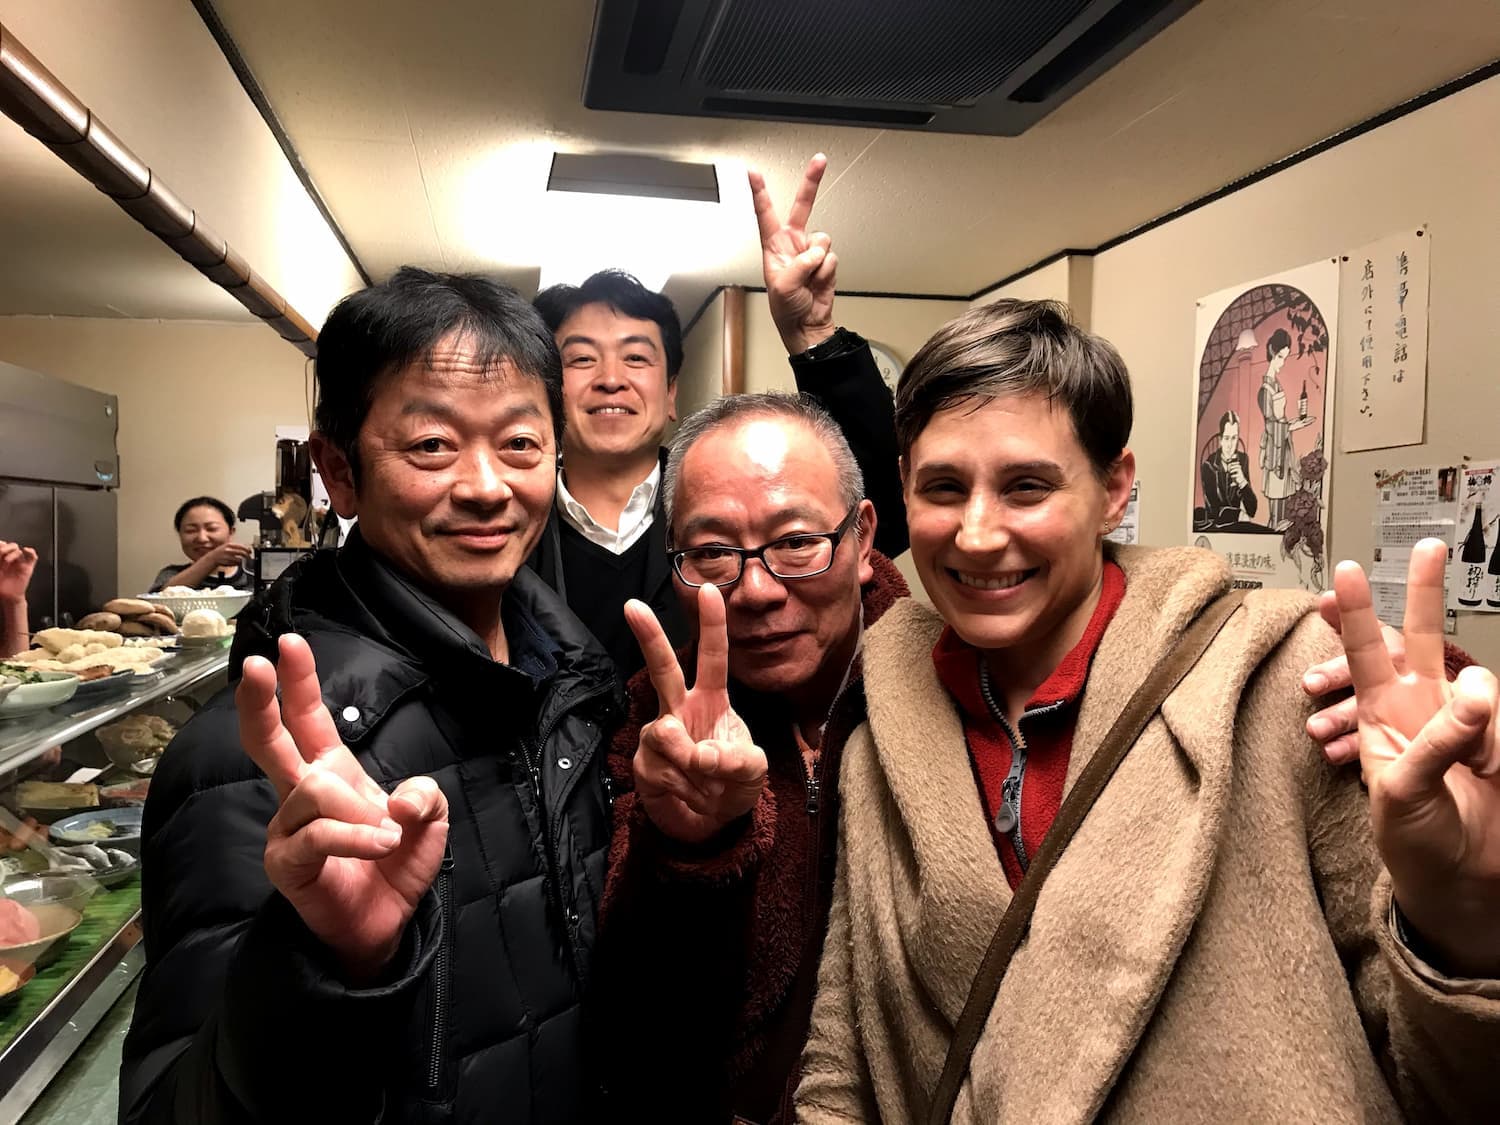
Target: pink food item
(17, 924)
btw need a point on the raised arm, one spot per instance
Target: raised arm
(832, 365)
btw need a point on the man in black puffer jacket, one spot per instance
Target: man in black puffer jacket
(386, 915)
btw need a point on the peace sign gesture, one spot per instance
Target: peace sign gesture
(799, 267)
(1431, 758)
(351, 860)
(696, 769)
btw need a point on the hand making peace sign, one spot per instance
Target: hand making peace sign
(1430, 752)
(351, 860)
(697, 769)
(799, 266)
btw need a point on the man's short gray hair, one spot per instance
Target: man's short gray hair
(732, 410)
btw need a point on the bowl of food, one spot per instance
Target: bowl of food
(72, 891)
(35, 691)
(115, 828)
(33, 935)
(182, 600)
(136, 741)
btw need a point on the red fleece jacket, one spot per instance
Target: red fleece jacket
(707, 959)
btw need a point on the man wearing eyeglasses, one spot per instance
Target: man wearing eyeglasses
(722, 860)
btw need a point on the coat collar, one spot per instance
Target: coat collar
(1117, 910)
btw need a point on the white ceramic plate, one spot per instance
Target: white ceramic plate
(27, 699)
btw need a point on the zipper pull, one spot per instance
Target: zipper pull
(812, 795)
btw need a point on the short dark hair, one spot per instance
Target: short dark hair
(1281, 338)
(1014, 347)
(203, 502)
(627, 296)
(1228, 417)
(381, 329)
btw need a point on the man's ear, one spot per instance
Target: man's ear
(865, 521)
(338, 474)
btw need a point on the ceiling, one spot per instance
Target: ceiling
(426, 128)
(67, 250)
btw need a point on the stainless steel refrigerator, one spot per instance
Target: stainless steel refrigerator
(59, 472)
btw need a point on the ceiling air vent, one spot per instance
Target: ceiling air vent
(948, 66)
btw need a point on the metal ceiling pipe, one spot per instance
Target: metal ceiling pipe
(32, 97)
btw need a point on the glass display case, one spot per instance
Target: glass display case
(73, 778)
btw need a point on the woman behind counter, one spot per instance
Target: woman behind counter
(205, 526)
(1220, 941)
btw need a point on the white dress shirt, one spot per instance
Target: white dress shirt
(636, 518)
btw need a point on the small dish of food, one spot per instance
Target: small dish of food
(72, 891)
(33, 935)
(116, 828)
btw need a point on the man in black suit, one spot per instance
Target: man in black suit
(1226, 478)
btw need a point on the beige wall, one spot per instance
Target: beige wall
(199, 405)
(1069, 279)
(902, 325)
(1439, 166)
(701, 379)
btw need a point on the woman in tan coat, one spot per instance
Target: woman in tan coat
(1220, 941)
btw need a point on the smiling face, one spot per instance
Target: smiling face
(457, 470)
(202, 529)
(616, 393)
(1006, 514)
(745, 485)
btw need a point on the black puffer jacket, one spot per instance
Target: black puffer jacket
(241, 1019)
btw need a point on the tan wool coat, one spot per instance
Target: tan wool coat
(1213, 946)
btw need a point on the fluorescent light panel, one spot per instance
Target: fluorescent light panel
(608, 173)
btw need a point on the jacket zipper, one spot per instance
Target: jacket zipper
(554, 865)
(440, 973)
(814, 787)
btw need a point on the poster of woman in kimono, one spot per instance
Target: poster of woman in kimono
(1264, 419)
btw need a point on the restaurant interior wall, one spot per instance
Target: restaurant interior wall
(199, 407)
(1439, 166)
(701, 379)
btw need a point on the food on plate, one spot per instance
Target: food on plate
(141, 736)
(161, 622)
(151, 642)
(96, 830)
(90, 858)
(59, 640)
(23, 673)
(10, 979)
(205, 623)
(109, 659)
(199, 592)
(126, 792)
(101, 621)
(128, 607)
(56, 795)
(18, 926)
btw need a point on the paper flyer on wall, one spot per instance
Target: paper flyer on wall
(1383, 302)
(1264, 426)
(1129, 530)
(1474, 573)
(1412, 503)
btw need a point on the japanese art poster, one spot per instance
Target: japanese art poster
(1265, 426)
(1474, 573)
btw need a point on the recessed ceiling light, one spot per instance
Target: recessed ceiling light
(612, 173)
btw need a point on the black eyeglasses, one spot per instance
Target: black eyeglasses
(803, 555)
